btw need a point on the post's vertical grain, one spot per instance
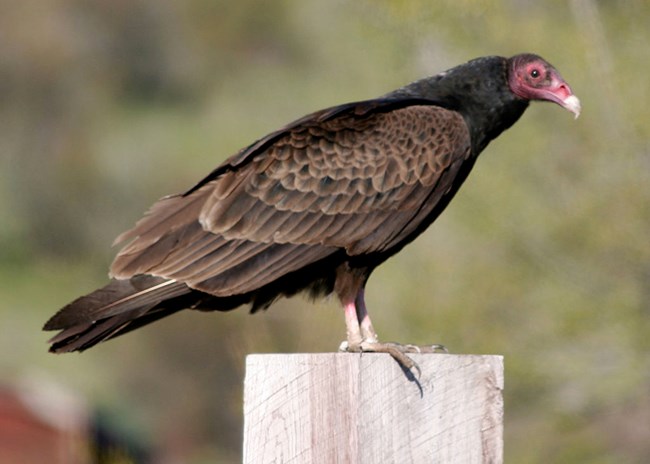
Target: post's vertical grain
(362, 408)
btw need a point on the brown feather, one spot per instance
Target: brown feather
(117, 297)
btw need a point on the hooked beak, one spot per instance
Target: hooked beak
(561, 94)
(572, 104)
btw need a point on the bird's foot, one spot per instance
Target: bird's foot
(397, 350)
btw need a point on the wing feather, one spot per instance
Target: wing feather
(353, 178)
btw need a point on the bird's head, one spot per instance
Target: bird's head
(532, 78)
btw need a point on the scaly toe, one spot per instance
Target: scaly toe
(396, 351)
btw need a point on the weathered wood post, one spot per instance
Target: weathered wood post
(363, 408)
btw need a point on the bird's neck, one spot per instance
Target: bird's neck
(479, 91)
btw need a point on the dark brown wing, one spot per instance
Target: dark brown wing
(359, 181)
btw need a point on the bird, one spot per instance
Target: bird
(313, 207)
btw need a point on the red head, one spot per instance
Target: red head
(532, 78)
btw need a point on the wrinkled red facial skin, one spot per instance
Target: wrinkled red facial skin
(532, 78)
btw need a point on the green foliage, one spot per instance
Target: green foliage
(543, 256)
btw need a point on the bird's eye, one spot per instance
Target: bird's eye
(534, 73)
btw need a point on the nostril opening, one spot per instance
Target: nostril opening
(563, 91)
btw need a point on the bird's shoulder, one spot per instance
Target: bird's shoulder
(359, 116)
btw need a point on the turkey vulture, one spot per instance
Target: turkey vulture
(315, 206)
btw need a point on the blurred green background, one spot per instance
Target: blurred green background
(543, 257)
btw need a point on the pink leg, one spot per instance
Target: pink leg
(368, 333)
(357, 322)
(352, 325)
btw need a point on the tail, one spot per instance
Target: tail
(117, 308)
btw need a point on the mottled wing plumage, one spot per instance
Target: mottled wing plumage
(359, 183)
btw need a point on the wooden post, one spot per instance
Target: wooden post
(363, 408)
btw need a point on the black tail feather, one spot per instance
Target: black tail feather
(118, 297)
(85, 335)
(115, 309)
